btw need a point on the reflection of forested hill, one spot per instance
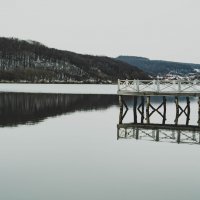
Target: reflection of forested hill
(21, 108)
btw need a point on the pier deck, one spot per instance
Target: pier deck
(159, 87)
(144, 89)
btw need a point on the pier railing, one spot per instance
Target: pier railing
(158, 86)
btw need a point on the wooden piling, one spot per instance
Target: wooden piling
(121, 109)
(177, 110)
(164, 109)
(140, 109)
(142, 116)
(199, 112)
(135, 109)
(147, 109)
(188, 111)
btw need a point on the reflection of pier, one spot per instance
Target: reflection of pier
(160, 133)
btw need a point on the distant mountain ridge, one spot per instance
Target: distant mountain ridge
(159, 67)
(31, 61)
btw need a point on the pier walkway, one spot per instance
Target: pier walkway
(145, 89)
(159, 87)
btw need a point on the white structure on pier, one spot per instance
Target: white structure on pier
(159, 87)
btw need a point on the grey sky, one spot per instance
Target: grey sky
(158, 29)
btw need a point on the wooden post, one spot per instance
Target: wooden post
(142, 115)
(199, 112)
(188, 111)
(177, 110)
(147, 109)
(164, 109)
(135, 109)
(121, 110)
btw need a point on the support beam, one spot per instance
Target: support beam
(177, 110)
(164, 110)
(140, 109)
(142, 115)
(180, 110)
(199, 112)
(122, 114)
(135, 109)
(162, 114)
(147, 109)
(188, 111)
(121, 109)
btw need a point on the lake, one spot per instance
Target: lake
(64, 146)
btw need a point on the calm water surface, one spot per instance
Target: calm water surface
(55, 146)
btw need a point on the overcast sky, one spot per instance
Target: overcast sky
(158, 29)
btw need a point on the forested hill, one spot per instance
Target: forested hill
(31, 61)
(156, 67)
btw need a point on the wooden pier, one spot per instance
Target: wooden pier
(143, 90)
(159, 87)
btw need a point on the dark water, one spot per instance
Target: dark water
(66, 147)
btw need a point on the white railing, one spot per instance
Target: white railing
(159, 86)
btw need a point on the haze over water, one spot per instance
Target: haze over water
(61, 146)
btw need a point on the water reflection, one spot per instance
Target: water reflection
(23, 108)
(160, 133)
